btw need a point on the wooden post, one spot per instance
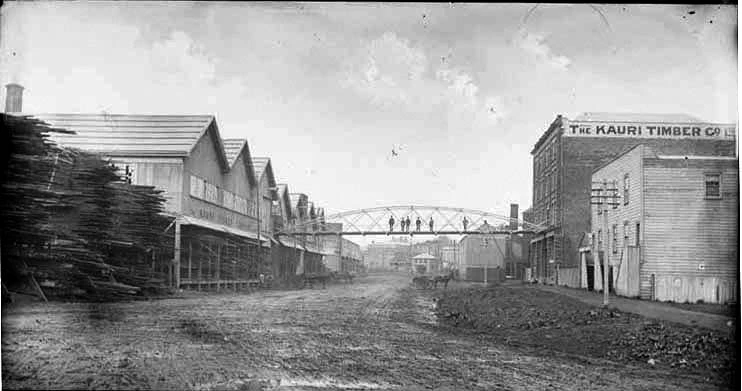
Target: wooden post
(218, 266)
(37, 288)
(190, 261)
(605, 245)
(234, 261)
(340, 253)
(176, 255)
(200, 266)
(6, 292)
(209, 274)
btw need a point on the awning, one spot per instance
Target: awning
(290, 242)
(313, 249)
(188, 220)
(537, 239)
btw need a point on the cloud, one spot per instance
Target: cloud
(392, 72)
(117, 71)
(534, 44)
(181, 58)
(388, 70)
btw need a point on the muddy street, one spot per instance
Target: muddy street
(376, 333)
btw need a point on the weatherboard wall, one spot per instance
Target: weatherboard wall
(624, 217)
(691, 243)
(204, 163)
(163, 173)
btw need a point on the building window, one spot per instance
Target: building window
(615, 238)
(553, 182)
(197, 187)
(553, 213)
(626, 189)
(553, 150)
(536, 190)
(211, 193)
(228, 200)
(713, 186)
(626, 233)
(600, 239)
(252, 208)
(240, 204)
(616, 195)
(556, 150)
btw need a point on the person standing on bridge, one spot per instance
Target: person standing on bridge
(401, 224)
(418, 222)
(430, 223)
(465, 222)
(407, 222)
(391, 224)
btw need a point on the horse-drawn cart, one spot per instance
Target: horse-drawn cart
(431, 281)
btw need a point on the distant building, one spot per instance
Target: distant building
(351, 258)
(502, 255)
(304, 216)
(382, 256)
(448, 257)
(425, 264)
(564, 158)
(673, 234)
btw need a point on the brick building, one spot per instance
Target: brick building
(672, 232)
(564, 158)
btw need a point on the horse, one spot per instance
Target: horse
(346, 276)
(424, 281)
(311, 278)
(443, 280)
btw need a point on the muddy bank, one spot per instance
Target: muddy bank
(544, 320)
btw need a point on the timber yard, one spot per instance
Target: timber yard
(185, 247)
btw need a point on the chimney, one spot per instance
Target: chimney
(13, 98)
(514, 217)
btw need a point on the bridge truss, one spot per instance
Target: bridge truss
(446, 221)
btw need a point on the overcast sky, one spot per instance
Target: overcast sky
(461, 92)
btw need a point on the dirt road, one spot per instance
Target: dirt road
(378, 333)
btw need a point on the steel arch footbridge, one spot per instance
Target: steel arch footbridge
(446, 221)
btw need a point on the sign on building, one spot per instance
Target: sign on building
(697, 131)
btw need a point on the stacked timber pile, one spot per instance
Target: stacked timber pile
(70, 225)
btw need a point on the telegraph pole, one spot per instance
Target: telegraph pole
(605, 196)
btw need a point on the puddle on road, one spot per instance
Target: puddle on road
(334, 384)
(426, 311)
(255, 384)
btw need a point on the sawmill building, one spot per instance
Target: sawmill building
(564, 158)
(209, 185)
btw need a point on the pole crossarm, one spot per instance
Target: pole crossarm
(388, 220)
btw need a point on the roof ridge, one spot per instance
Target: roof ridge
(116, 114)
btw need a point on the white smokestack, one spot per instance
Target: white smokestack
(13, 98)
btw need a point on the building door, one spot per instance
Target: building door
(638, 234)
(590, 277)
